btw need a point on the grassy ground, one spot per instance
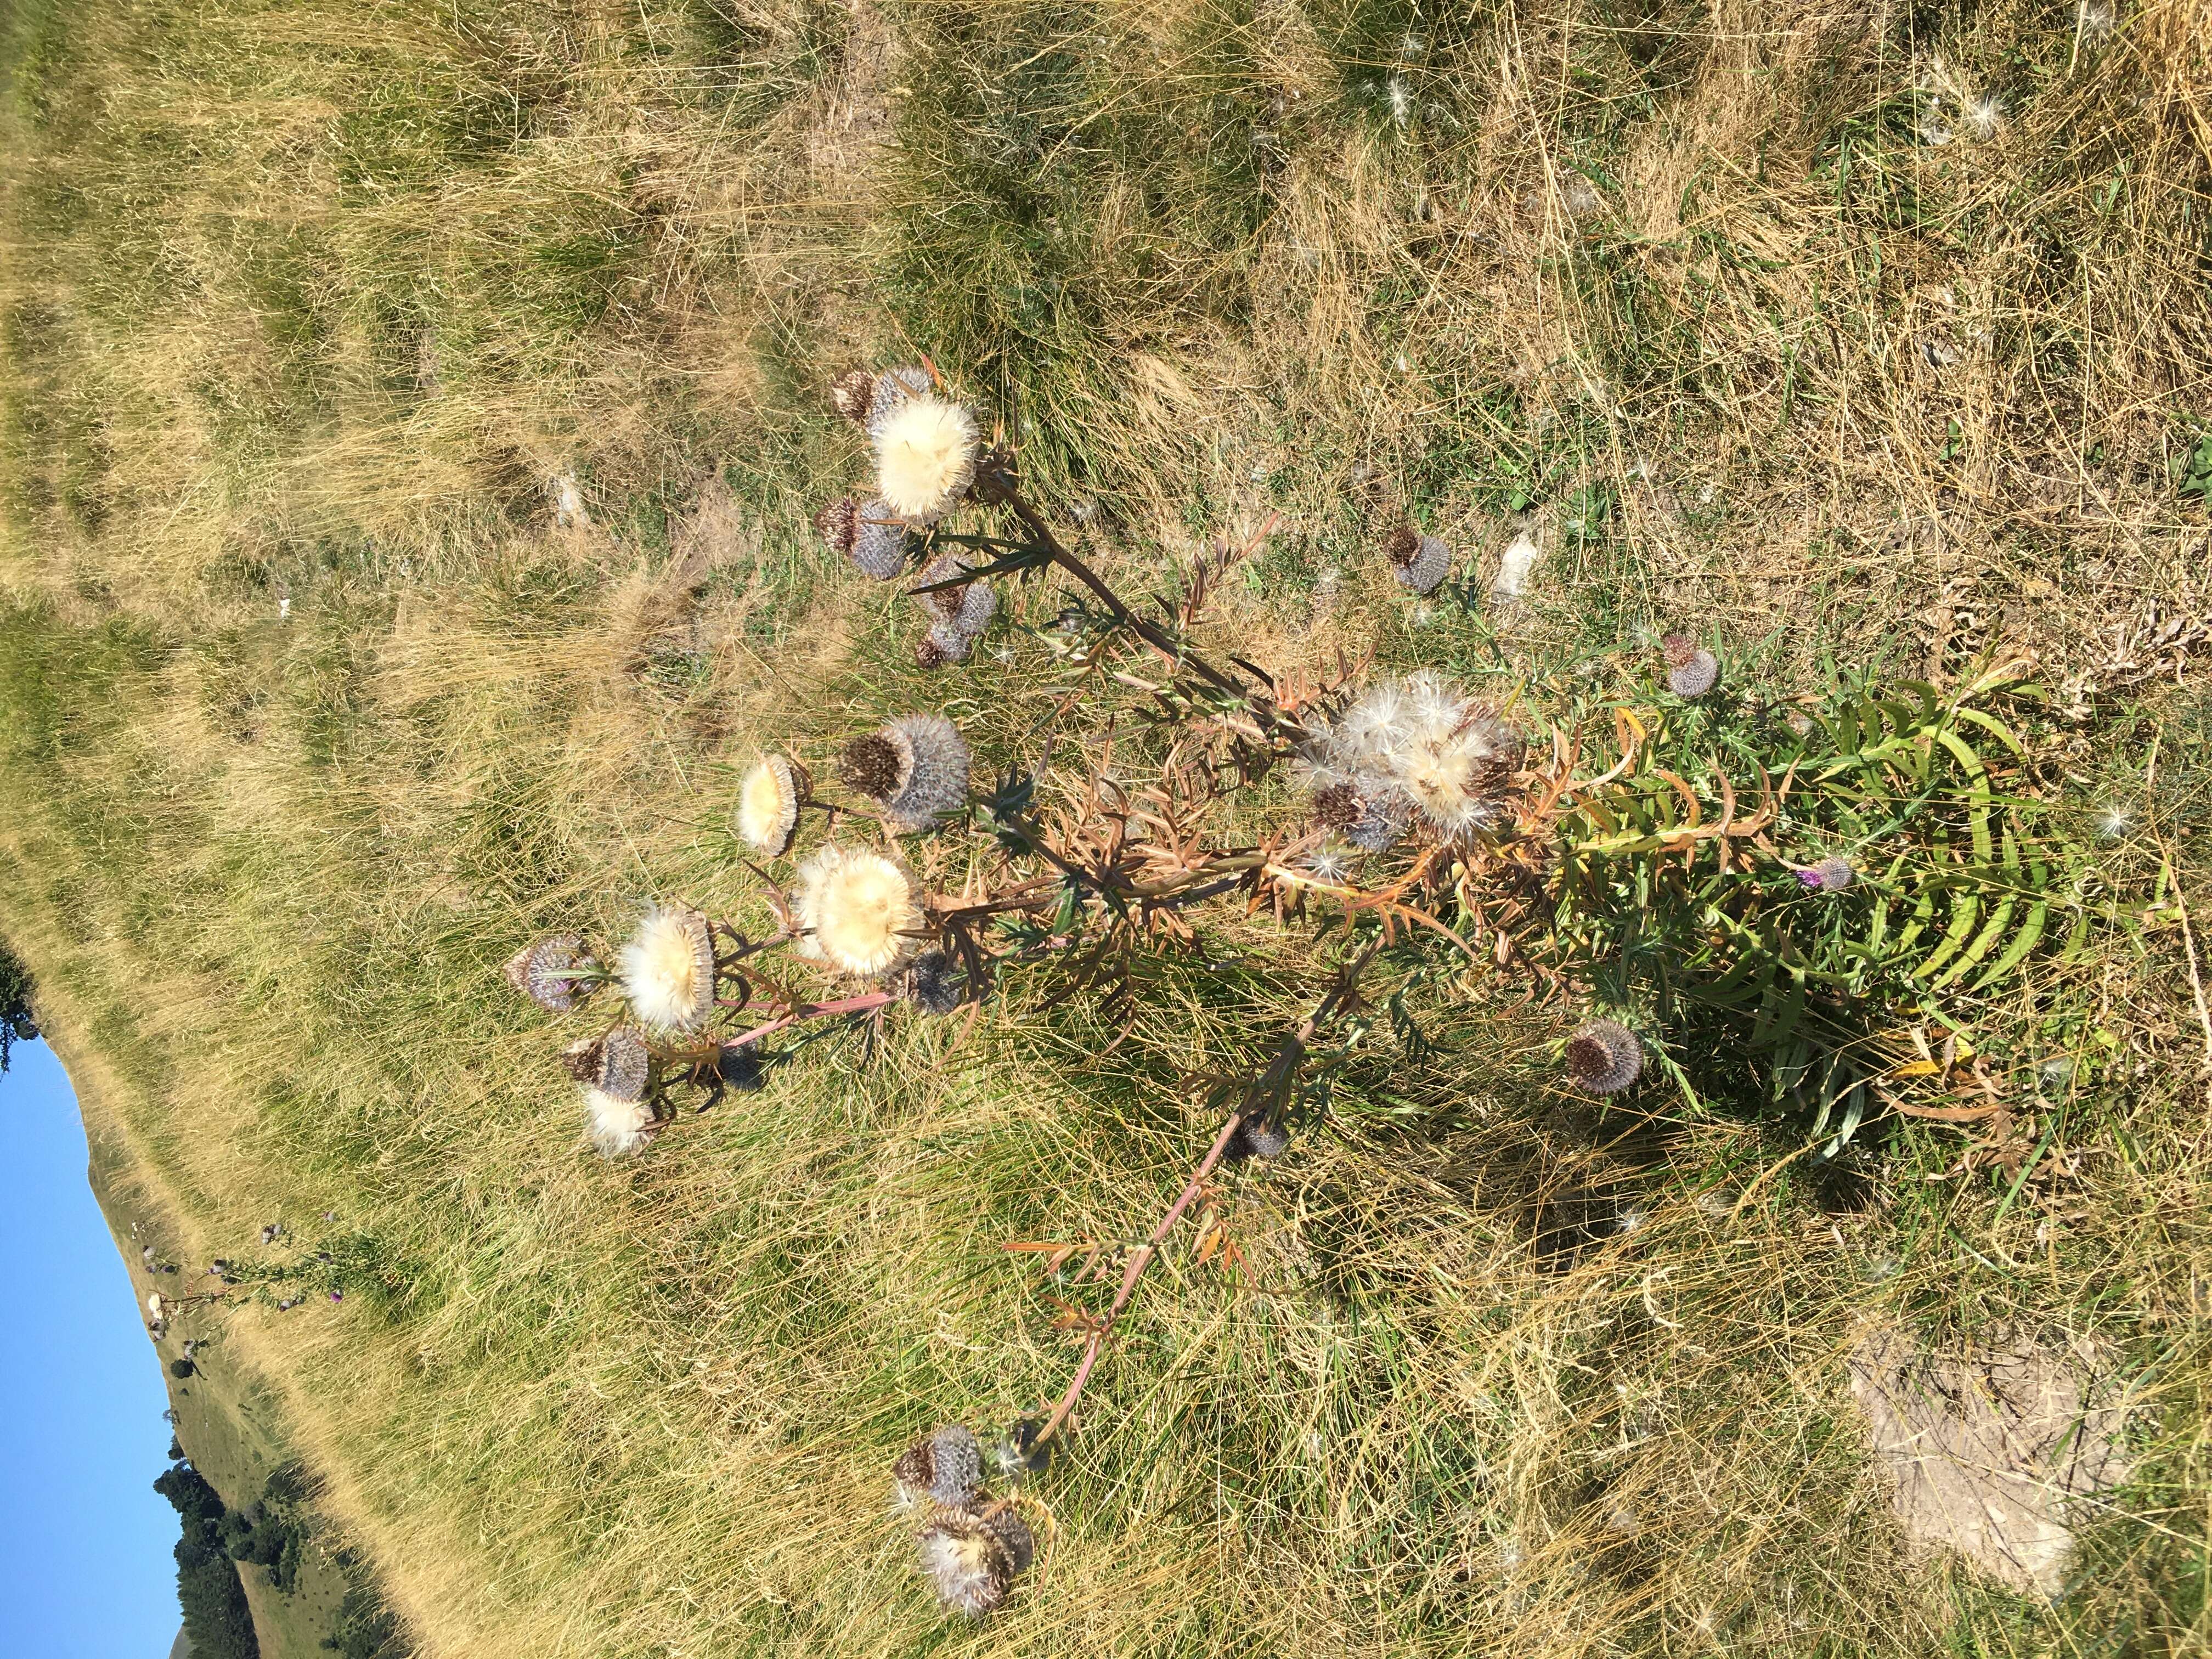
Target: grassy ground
(313, 713)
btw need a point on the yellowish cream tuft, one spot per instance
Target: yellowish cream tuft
(861, 908)
(767, 806)
(667, 972)
(925, 456)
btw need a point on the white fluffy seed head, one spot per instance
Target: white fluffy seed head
(967, 1563)
(767, 805)
(925, 456)
(860, 911)
(668, 969)
(615, 1127)
(1419, 746)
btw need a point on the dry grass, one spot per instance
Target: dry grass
(305, 305)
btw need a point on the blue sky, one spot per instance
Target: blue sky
(86, 1572)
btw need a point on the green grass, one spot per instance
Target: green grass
(311, 715)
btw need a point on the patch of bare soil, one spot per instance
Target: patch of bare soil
(1987, 1447)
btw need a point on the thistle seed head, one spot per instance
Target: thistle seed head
(668, 969)
(945, 1466)
(1419, 746)
(925, 455)
(942, 644)
(892, 389)
(768, 802)
(877, 765)
(623, 1064)
(853, 393)
(915, 768)
(1692, 670)
(968, 608)
(616, 1126)
(878, 548)
(1604, 1057)
(970, 1561)
(551, 972)
(934, 983)
(1256, 1137)
(1424, 570)
(839, 522)
(860, 911)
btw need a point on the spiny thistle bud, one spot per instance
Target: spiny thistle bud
(970, 1560)
(1830, 875)
(1422, 562)
(1692, 670)
(879, 541)
(859, 910)
(916, 768)
(1256, 1137)
(946, 1465)
(1604, 1057)
(944, 643)
(969, 607)
(668, 969)
(552, 972)
(768, 802)
(925, 456)
(934, 983)
(853, 393)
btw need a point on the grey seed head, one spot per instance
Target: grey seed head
(956, 1466)
(934, 983)
(893, 387)
(936, 780)
(1604, 1057)
(878, 545)
(625, 1064)
(1425, 571)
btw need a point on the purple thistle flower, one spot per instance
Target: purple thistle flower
(337, 1296)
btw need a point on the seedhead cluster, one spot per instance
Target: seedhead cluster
(1416, 751)
(971, 1546)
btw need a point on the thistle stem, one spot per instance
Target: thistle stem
(854, 1004)
(1276, 1073)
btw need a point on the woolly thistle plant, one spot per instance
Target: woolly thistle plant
(1416, 748)
(1692, 670)
(860, 912)
(556, 973)
(1603, 1057)
(768, 802)
(1420, 562)
(868, 534)
(667, 970)
(972, 1558)
(916, 768)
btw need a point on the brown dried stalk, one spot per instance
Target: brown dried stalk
(1272, 1082)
